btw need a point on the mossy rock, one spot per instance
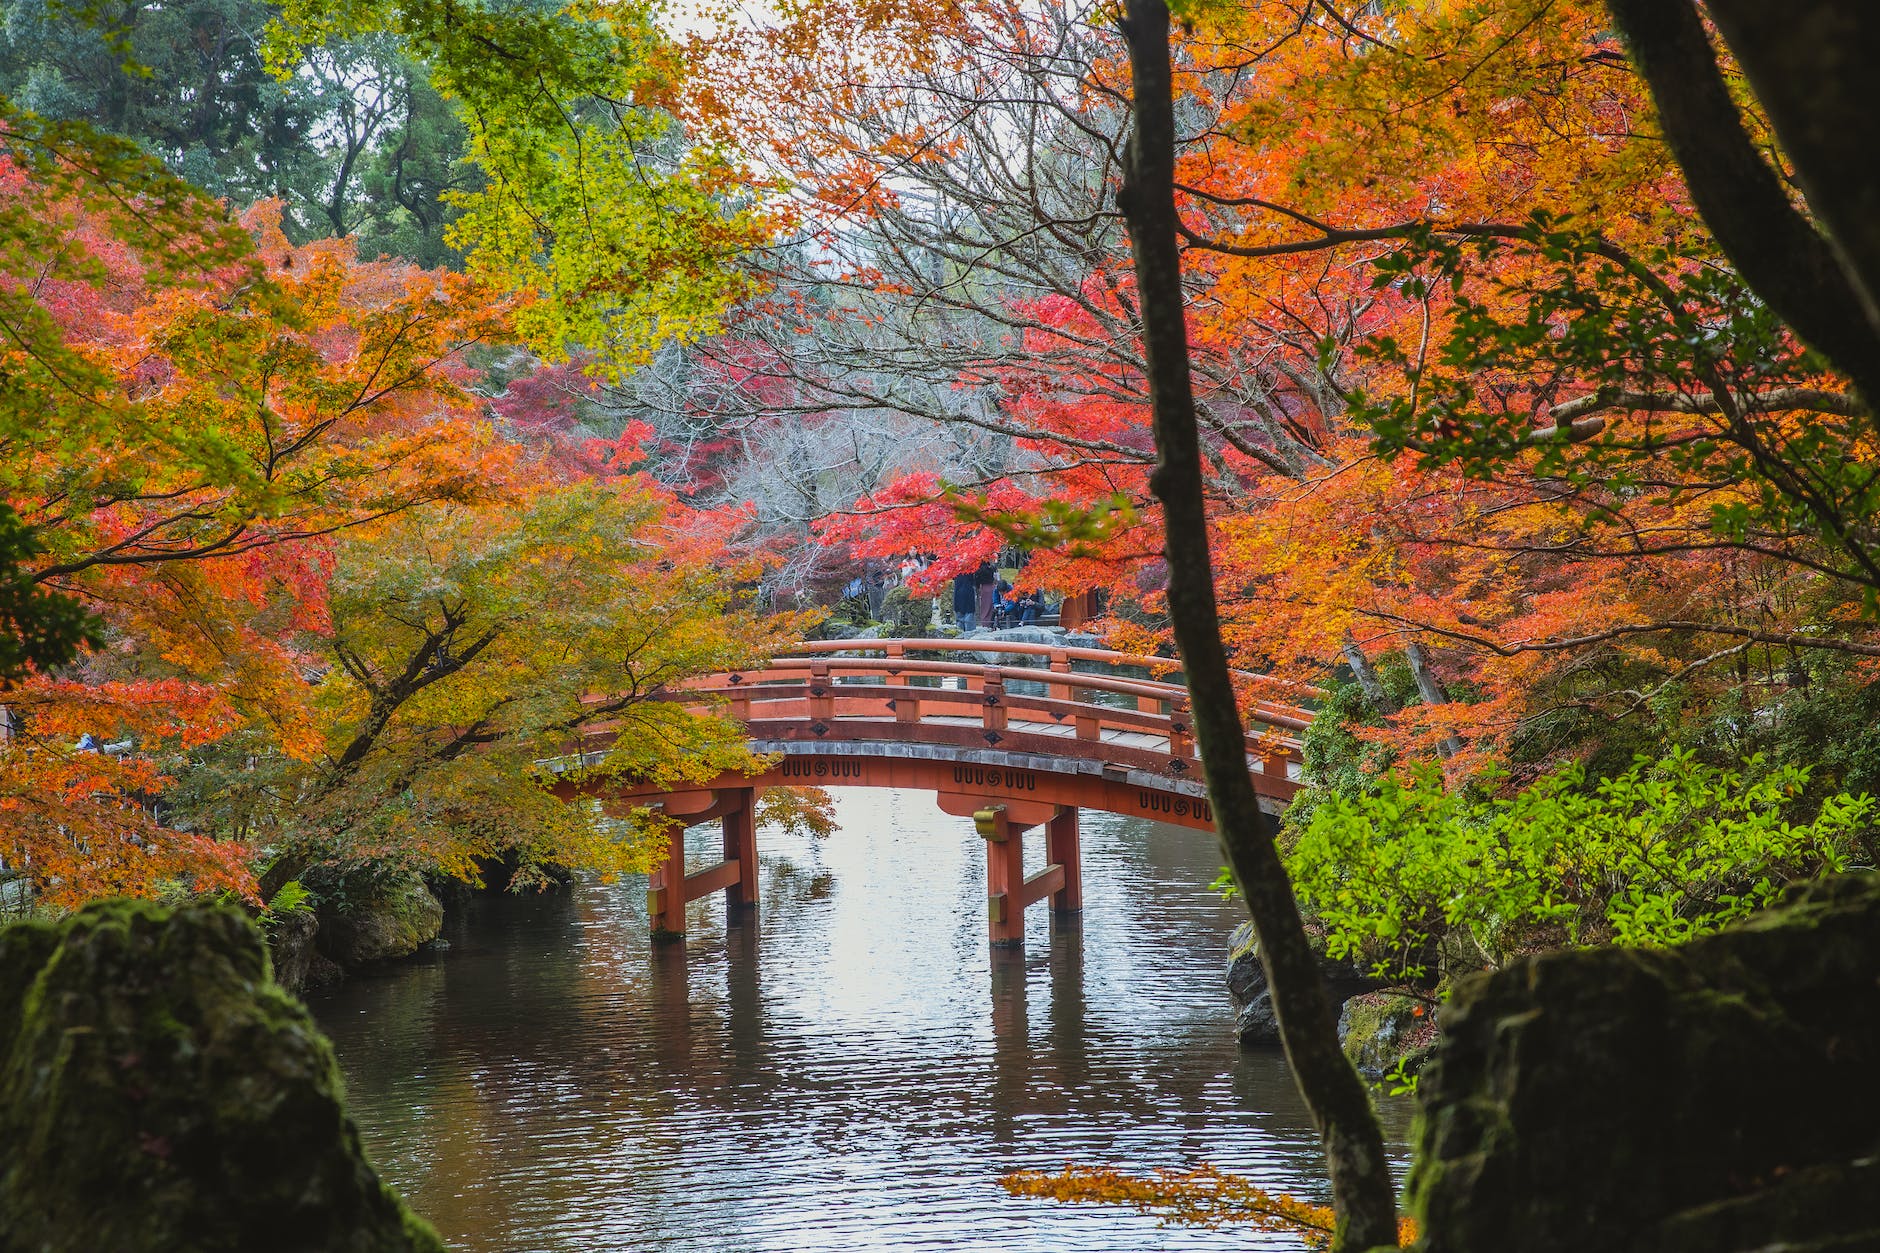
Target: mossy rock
(1378, 1030)
(1256, 1023)
(393, 919)
(1720, 1096)
(159, 1092)
(291, 952)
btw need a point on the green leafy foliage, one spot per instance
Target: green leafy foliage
(1077, 528)
(1337, 759)
(184, 80)
(355, 140)
(1657, 378)
(1425, 881)
(592, 203)
(291, 897)
(39, 629)
(469, 645)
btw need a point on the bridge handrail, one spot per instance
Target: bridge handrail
(788, 669)
(966, 644)
(1272, 713)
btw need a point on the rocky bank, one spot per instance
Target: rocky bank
(1720, 1097)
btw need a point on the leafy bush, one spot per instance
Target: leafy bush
(1423, 882)
(1336, 760)
(906, 615)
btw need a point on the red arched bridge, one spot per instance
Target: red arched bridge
(1013, 735)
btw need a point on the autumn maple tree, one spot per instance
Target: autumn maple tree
(291, 523)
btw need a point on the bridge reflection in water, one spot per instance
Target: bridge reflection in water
(848, 1068)
(1015, 747)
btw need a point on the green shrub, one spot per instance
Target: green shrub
(1421, 881)
(907, 616)
(288, 898)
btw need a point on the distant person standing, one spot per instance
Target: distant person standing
(986, 590)
(965, 601)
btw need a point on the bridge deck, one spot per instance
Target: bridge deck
(963, 711)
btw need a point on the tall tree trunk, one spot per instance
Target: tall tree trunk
(1430, 689)
(1341, 1108)
(1367, 676)
(1811, 65)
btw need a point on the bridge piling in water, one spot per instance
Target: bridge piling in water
(671, 889)
(1061, 848)
(1009, 891)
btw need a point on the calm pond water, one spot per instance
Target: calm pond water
(851, 1069)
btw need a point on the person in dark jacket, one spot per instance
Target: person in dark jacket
(965, 601)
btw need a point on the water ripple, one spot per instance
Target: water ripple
(850, 1070)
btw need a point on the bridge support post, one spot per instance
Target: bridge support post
(1008, 891)
(670, 888)
(740, 823)
(1061, 849)
(665, 891)
(1005, 876)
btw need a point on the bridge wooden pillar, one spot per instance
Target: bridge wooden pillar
(1005, 876)
(670, 889)
(740, 823)
(1008, 890)
(1061, 848)
(1060, 664)
(665, 891)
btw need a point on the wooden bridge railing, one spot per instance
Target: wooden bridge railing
(824, 690)
(1060, 660)
(1063, 739)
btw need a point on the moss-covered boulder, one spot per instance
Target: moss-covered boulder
(390, 919)
(1723, 1096)
(159, 1092)
(1378, 1030)
(290, 934)
(1255, 1022)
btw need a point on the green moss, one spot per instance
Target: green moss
(160, 1092)
(1379, 1029)
(24, 948)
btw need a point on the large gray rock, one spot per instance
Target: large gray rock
(1056, 637)
(1255, 1023)
(158, 1092)
(1723, 1096)
(290, 935)
(391, 920)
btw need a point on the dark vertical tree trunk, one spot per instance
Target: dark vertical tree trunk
(1341, 1108)
(1812, 63)
(1815, 78)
